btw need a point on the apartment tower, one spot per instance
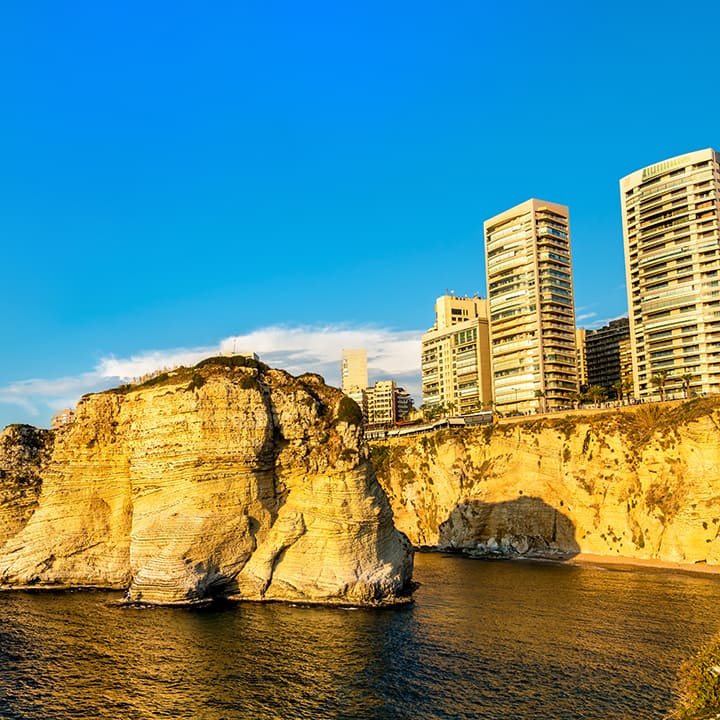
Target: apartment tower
(670, 214)
(605, 353)
(531, 308)
(456, 356)
(354, 370)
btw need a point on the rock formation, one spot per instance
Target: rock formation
(24, 453)
(228, 479)
(641, 482)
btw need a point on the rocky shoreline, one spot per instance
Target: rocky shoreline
(638, 485)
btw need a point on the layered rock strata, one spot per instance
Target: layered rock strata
(229, 479)
(640, 483)
(24, 454)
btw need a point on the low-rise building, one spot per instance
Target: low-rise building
(62, 418)
(386, 403)
(382, 403)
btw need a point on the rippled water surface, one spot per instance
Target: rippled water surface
(508, 640)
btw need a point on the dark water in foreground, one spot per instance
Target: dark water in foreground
(483, 640)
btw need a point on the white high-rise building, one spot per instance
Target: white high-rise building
(531, 307)
(671, 218)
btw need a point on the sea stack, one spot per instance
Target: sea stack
(229, 479)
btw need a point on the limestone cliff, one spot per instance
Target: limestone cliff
(640, 482)
(227, 479)
(24, 453)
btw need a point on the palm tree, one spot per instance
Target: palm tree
(618, 388)
(659, 380)
(540, 395)
(431, 412)
(597, 393)
(686, 379)
(627, 385)
(575, 398)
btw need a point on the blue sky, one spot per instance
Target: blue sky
(175, 175)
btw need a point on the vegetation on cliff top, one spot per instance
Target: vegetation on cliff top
(638, 423)
(196, 375)
(699, 685)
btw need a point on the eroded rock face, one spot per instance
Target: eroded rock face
(641, 483)
(226, 479)
(24, 453)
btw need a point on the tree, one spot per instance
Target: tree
(627, 385)
(540, 395)
(575, 398)
(432, 412)
(597, 394)
(659, 380)
(686, 379)
(618, 388)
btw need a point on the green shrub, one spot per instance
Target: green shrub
(699, 685)
(197, 382)
(232, 361)
(382, 457)
(247, 382)
(349, 412)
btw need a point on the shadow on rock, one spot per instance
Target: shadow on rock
(525, 527)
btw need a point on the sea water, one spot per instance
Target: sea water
(483, 639)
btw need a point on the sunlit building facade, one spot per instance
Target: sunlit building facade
(456, 356)
(382, 402)
(354, 370)
(580, 335)
(531, 307)
(670, 214)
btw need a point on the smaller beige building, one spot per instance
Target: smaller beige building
(382, 402)
(456, 356)
(64, 417)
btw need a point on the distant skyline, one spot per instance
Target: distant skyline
(174, 176)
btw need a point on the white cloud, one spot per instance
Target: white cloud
(32, 394)
(146, 362)
(602, 322)
(391, 354)
(585, 316)
(309, 349)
